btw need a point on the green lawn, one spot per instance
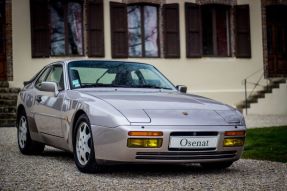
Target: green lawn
(266, 144)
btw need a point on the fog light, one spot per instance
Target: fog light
(144, 143)
(233, 142)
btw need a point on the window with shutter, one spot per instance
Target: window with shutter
(193, 30)
(242, 26)
(40, 34)
(119, 30)
(66, 28)
(143, 30)
(95, 28)
(56, 28)
(216, 30)
(171, 31)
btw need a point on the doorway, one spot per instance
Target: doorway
(277, 40)
(2, 41)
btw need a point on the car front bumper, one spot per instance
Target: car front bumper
(110, 144)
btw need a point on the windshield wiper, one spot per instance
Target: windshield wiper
(104, 85)
(154, 87)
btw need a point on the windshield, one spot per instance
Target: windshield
(87, 74)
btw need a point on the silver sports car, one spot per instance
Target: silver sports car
(118, 111)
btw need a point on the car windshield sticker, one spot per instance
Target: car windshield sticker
(76, 83)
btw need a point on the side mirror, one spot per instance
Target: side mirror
(181, 88)
(25, 83)
(49, 87)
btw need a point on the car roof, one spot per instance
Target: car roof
(66, 62)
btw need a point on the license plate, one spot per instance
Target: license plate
(193, 142)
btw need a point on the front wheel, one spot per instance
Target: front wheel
(217, 165)
(84, 154)
(26, 145)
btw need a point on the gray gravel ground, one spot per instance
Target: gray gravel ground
(55, 170)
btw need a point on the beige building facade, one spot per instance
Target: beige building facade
(216, 72)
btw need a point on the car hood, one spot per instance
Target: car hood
(163, 107)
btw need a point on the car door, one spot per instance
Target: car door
(48, 107)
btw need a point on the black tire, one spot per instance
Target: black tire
(217, 165)
(87, 165)
(26, 145)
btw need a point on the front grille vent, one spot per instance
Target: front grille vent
(185, 155)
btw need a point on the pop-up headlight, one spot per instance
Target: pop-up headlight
(232, 116)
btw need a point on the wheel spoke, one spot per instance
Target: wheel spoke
(87, 137)
(85, 160)
(87, 149)
(24, 138)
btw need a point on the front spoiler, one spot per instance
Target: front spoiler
(110, 144)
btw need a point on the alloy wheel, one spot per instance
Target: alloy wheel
(83, 143)
(22, 132)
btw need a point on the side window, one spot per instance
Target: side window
(56, 75)
(42, 77)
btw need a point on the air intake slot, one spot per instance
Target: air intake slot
(185, 155)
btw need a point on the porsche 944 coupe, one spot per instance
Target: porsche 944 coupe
(118, 111)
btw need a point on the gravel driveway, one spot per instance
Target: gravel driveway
(55, 170)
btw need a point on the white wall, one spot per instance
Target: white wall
(218, 78)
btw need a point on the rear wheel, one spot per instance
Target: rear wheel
(217, 165)
(84, 154)
(26, 145)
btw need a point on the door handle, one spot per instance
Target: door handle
(38, 99)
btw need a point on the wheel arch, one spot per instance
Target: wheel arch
(20, 109)
(76, 117)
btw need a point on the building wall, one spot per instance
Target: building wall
(218, 78)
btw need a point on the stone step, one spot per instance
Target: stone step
(280, 81)
(7, 115)
(259, 95)
(7, 109)
(273, 86)
(7, 122)
(8, 96)
(4, 84)
(5, 102)
(265, 91)
(242, 106)
(9, 90)
(276, 84)
(253, 100)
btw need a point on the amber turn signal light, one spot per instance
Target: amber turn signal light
(145, 133)
(234, 133)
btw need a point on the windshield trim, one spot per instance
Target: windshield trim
(169, 83)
